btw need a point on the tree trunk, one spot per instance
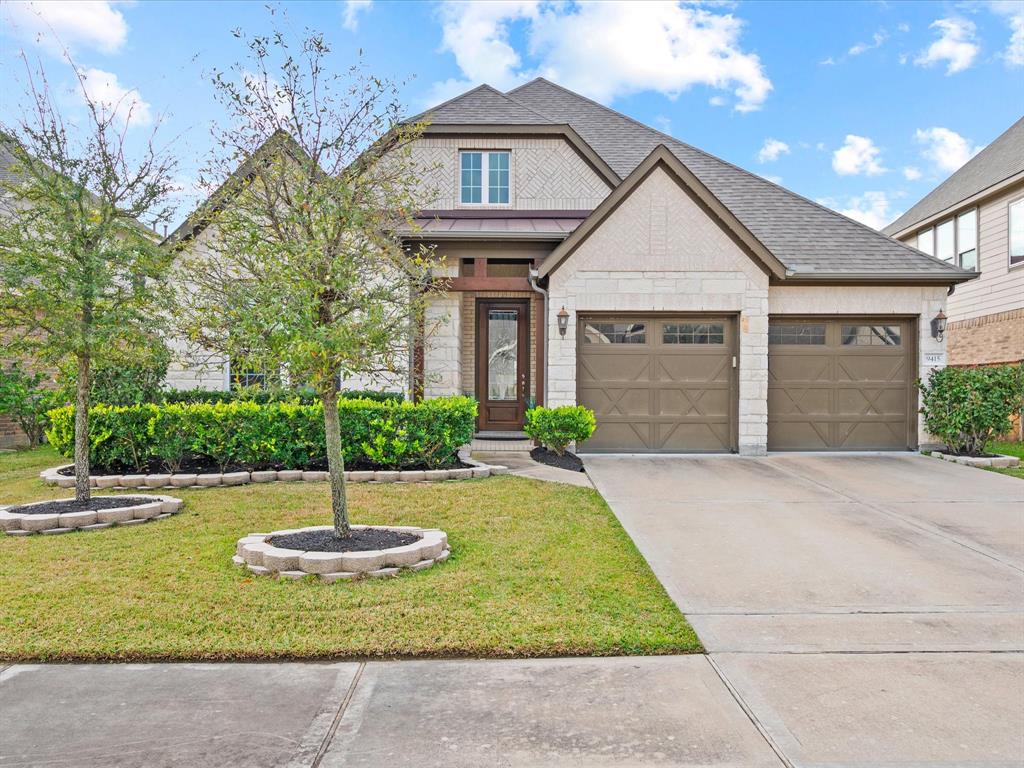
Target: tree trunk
(82, 430)
(335, 462)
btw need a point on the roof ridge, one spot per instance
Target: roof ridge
(482, 87)
(761, 179)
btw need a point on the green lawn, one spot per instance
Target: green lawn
(537, 569)
(1009, 449)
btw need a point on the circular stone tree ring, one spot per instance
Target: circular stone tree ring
(264, 553)
(49, 517)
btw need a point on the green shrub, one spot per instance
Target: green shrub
(284, 435)
(24, 398)
(305, 396)
(555, 428)
(966, 407)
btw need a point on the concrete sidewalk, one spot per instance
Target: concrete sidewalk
(582, 713)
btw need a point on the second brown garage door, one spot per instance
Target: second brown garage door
(844, 384)
(658, 384)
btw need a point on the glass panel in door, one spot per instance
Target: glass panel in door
(502, 353)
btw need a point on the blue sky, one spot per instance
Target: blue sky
(864, 106)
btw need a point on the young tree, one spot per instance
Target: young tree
(78, 272)
(304, 271)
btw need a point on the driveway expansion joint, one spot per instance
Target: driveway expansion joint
(329, 736)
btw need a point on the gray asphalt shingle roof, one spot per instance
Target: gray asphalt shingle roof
(483, 105)
(1000, 160)
(805, 236)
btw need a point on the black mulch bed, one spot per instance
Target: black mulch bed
(361, 540)
(200, 465)
(63, 506)
(971, 455)
(569, 461)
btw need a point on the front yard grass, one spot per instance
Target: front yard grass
(537, 569)
(1009, 449)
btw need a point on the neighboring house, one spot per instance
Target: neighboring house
(693, 305)
(975, 218)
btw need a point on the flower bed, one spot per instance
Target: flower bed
(99, 512)
(993, 460)
(249, 437)
(263, 554)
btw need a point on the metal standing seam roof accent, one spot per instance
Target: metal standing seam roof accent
(806, 237)
(491, 227)
(1000, 160)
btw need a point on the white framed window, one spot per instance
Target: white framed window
(484, 178)
(1015, 225)
(954, 240)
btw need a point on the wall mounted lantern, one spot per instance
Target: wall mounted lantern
(939, 326)
(563, 321)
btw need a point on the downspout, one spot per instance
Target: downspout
(534, 277)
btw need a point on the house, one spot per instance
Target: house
(694, 306)
(975, 219)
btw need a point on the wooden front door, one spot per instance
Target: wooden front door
(502, 362)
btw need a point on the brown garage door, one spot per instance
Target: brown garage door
(658, 383)
(844, 384)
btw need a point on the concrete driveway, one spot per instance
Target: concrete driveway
(865, 610)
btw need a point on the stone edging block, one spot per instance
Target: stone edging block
(155, 507)
(261, 558)
(1000, 461)
(474, 469)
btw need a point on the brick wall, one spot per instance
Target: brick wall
(987, 340)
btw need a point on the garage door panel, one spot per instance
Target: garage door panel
(840, 384)
(675, 392)
(699, 402)
(800, 367)
(699, 368)
(624, 437)
(800, 401)
(870, 368)
(691, 437)
(614, 401)
(868, 401)
(603, 367)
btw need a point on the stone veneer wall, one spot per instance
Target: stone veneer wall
(442, 349)
(987, 340)
(545, 173)
(659, 252)
(917, 301)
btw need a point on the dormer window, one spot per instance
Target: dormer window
(484, 178)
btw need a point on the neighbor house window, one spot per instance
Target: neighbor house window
(954, 240)
(484, 177)
(1016, 232)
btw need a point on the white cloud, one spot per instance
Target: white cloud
(947, 150)
(956, 45)
(911, 173)
(771, 149)
(353, 8)
(91, 24)
(876, 42)
(111, 98)
(829, 62)
(1013, 10)
(717, 101)
(871, 208)
(903, 27)
(858, 155)
(664, 123)
(604, 50)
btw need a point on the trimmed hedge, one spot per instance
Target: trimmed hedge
(264, 396)
(285, 435)
(556, 428)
